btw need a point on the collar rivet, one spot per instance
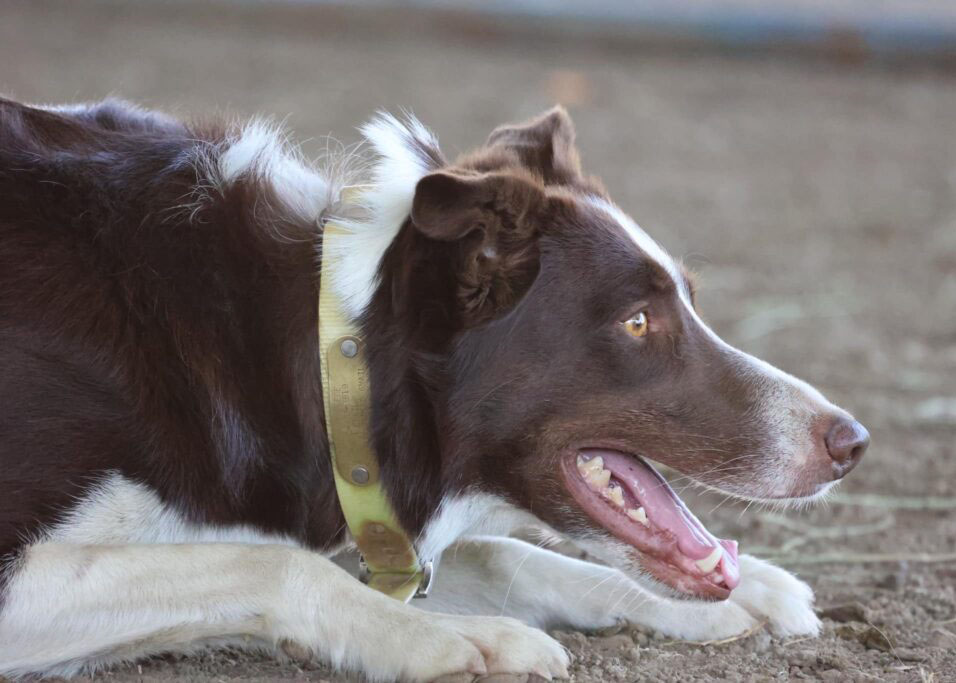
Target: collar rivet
(349, 348)
(360, 474)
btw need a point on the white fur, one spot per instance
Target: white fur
(124, 575)
(115, 582)
(260, 151)
(505, 576)
(74, 607)
(387, 202)
(470, 514)
(644, 242)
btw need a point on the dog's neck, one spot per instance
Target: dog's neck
(369, 264)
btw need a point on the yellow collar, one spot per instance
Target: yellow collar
(389, 562)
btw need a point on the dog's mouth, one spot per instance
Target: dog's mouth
(632, 501)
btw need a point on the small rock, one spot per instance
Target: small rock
(942, 638)
(875, 639)
(761, 641)
(852, 611)
(612, 630)
(296, 652)
(575, 641)
(612, 644)
(802, 658)
(908, 654)
(869, 636)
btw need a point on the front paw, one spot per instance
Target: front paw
(413, 646)
(509, 646)
(777, 596)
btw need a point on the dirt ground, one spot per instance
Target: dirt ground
(817, 199)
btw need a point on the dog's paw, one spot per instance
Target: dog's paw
(775, 595)
(509, 646)
(410, 645)
(436, 646)
(694, 621)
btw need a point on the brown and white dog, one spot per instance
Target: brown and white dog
(165, 481)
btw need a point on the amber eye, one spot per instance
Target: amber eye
(637, 326)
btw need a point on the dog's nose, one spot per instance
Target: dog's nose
(846, 442)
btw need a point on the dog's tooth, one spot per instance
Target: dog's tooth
(639, 515)
(598, 480)
(708, 563)
(595, 464)
(616, 495)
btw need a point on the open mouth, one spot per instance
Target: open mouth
(630, 499)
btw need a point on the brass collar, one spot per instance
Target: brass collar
(389, 562)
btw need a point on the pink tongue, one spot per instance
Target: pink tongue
(666, 511)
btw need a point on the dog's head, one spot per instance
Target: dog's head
(536, 344)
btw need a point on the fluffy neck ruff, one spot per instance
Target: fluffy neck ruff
(406, 151)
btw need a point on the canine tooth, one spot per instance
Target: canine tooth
(639, 515)
(708, 563)
(616, 495)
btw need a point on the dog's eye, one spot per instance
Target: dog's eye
(637, 326)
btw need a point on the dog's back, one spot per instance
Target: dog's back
(146, 328)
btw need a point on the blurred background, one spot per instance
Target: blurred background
(799, 154)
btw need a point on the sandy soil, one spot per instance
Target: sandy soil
(818, 201)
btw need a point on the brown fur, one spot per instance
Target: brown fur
(167, 333)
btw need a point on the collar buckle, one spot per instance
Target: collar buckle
(399, 585)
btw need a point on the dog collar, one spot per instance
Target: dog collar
(388, 561)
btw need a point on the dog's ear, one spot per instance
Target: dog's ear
(491, 222)
(544, 144)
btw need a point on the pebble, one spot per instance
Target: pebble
(612, 644)
(909, 654)
(869, 636)
(941, 638)
(802, 658)
(852, 611)
(761, 641)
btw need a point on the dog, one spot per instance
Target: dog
(166, 479)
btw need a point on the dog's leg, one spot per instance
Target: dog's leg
(71, 607)
(505, 576)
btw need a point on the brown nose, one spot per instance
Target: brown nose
(846, 442)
